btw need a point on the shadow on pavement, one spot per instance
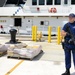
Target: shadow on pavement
(38, 56)
(73, 73)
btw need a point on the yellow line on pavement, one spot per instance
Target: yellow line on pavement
(14, 67)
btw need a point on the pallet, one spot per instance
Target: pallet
(3, 53)
(15, 57)
(18, 57)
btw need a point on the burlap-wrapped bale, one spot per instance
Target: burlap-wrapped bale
(4, 47)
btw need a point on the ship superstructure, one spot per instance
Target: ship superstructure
(42, 13)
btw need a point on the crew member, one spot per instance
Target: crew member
(69, 45)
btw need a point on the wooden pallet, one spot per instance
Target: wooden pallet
(3, 53)
(18, 57)
(15, 57)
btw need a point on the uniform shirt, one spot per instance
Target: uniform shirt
(68, 37)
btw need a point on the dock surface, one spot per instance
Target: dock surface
(50, 62)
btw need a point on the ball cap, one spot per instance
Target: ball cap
(71, 15)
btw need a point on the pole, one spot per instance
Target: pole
(49, 34)
(58, 35)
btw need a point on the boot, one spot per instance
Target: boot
(67, 72)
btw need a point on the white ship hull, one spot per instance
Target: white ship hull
(39, 15)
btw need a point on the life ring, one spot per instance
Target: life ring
(53, 10)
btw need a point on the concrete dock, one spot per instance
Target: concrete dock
(50, 62)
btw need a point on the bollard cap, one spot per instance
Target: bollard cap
(13, 30)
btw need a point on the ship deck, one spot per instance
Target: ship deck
(50, 62)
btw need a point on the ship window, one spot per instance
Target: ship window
(17, 22)
(41, 2)
(72, 2)
(41, 22)
(34, 2)
(57, 2)
(49, 2)
(65, 1)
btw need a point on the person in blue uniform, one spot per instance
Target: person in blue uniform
(69, 44)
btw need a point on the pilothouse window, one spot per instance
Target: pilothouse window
(65, 1)
(57, 2)
(49, 2)
(34, 2)
(72, 2)
(41, 2)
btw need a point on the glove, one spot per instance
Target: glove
(74, 42)
(70, 41)
(68, 34)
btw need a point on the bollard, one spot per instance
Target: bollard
(13, 37)
(58, 35)
(49, 34)
(35, 33)
(32, 33)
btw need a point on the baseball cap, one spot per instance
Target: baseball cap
(71, 15)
